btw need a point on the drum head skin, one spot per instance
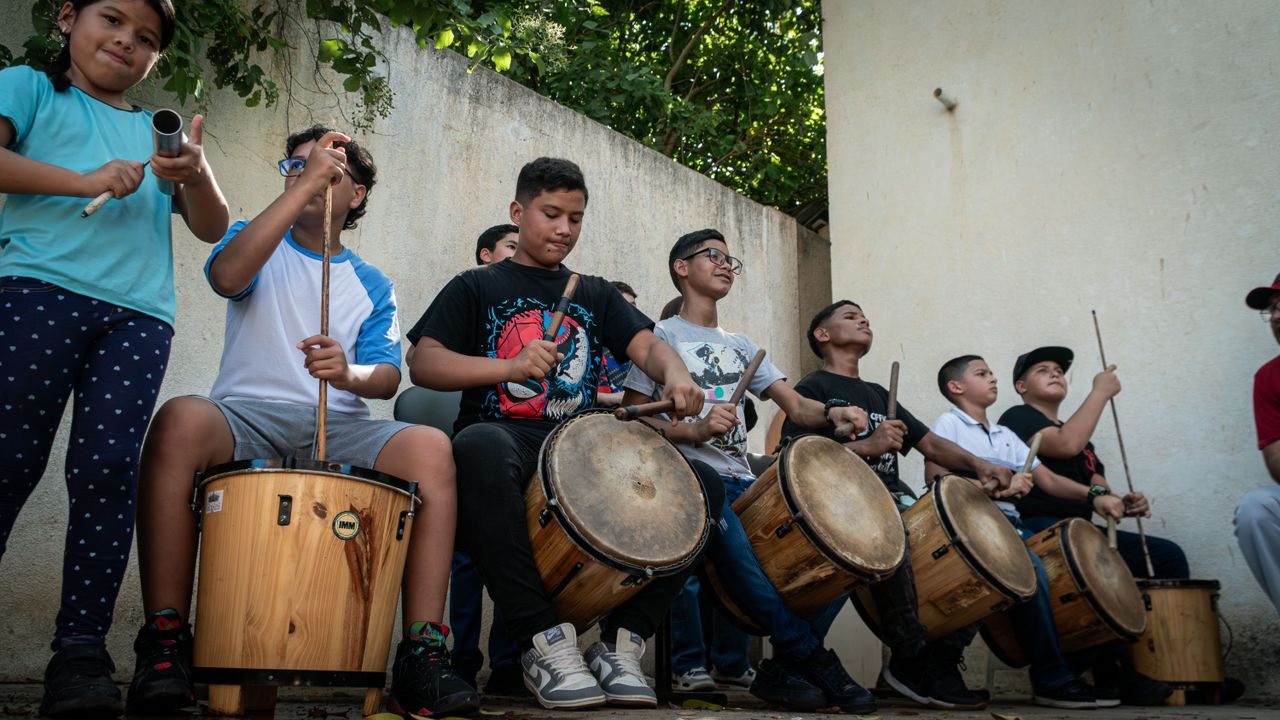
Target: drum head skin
(845, 507)
(1102, 571)
(625, 490)
(985, 535)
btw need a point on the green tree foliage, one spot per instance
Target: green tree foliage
(731, 89)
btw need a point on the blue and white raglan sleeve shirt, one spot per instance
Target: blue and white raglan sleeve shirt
(281, 307)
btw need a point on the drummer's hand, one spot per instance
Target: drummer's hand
(326, 360)
(722, 418)
(686, 395)
(534, 361)
(887, 437)
(1109, 506)
(1136, 505)
(1018, 485)
(993, 478)
(849, 420)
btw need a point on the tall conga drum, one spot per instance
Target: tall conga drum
(967, 558)
(612, 505)
(821, 522)
(1181, 645)
(1094, 597)
(300, 568)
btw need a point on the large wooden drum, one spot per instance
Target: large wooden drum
(967, 558)
(820, 522)
(1094, 597)
(300, 568)
(1181, 645)
(612, 505)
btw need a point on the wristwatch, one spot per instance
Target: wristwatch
(1098, 491)
(832, 403)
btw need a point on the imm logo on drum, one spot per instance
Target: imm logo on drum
(346, 525)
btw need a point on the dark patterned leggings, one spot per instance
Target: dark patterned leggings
(54, 342)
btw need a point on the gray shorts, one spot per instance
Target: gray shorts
(264, 429)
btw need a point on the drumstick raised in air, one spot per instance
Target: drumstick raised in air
(631, 412)
(1124, 458)
(892, 413)
(562, 307)
(322, 410)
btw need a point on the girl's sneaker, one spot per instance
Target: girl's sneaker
(694, 680)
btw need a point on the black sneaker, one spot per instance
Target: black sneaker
(825, 671)
(423, 681)
(780, 684)
(1142, 690)
(506, 680)
(162, 673)
(906, 677)
(78, 684)
(1073, 695)
(467, 666)
(946, 688)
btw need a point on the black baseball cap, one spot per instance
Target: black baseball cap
(1062, 356)
(1259, 298)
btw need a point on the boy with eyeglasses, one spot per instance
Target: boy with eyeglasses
(1258, 517)
(263, 406)
(802, 675)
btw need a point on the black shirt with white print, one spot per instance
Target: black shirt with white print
(874, 399)
(495, 310)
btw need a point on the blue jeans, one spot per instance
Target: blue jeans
(1167, 558)
(1033, 623)
(729, 645)
(793, 637)
(465, 617)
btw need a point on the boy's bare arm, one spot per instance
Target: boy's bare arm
(809, 413)
(660, 361)
(437, 367)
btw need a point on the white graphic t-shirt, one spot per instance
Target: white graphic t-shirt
(716, 359)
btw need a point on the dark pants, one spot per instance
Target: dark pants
(495, 461)
(54, 342)
(466, 615)
(1167, 557)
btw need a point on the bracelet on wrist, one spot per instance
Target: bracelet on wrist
(1097, 491)
(832, 403)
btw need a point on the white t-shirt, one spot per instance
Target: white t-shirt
(716, 359)
(1001, 445)
(265, 322)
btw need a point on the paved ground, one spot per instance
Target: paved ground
(22, 701)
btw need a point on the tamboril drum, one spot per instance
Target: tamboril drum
(300, 568)
(1091, 591)
(820, 522)
(612, 505)
(1182, 645)
(967, 558)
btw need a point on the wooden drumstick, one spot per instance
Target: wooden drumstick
(892, 414)
(562, 307)
(322, 410)
(1124, 457)
(1111, 533)
(631, 412)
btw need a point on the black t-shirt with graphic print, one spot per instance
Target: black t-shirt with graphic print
(823, 386)
(495, 310)
(1026, 421)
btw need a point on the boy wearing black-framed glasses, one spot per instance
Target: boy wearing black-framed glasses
(802, 675)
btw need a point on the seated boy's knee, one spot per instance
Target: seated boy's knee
(187, 419)
(1259, 507)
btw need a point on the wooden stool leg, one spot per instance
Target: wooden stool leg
(372, 701)
(241, 699)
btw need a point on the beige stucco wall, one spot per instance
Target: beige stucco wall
(1117, 156)
(448, 159)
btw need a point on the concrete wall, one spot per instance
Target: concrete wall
(448, 159)
(1117, 156)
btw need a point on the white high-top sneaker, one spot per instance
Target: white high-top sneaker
(617, 667)
(555, 672)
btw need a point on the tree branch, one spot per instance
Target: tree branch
(693, 40)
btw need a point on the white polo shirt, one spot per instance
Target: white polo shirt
(999, 445)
